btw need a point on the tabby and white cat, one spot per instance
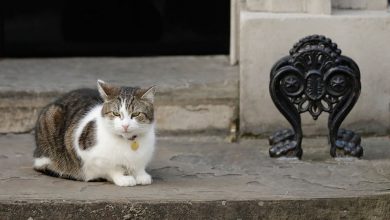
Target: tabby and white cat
(91, 134)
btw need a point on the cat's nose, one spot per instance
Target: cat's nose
(125, 127)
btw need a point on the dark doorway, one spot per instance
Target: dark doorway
(113, 28)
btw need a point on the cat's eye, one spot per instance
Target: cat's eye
(116, 114)
(135, 114)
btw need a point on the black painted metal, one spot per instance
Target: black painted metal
(315, 78)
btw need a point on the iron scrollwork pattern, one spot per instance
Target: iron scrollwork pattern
(315, 78)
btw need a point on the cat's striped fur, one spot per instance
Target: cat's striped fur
(76, 134)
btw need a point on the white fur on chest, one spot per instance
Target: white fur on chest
(112, 152)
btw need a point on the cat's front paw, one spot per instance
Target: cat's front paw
(124, 181)
(144, 179)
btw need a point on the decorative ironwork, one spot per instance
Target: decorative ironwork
(315, 78)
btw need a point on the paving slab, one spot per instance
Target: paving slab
(201, 89)
(206, 177)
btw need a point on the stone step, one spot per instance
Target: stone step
(195, 93)
(199, 177)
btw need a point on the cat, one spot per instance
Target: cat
(88, 134)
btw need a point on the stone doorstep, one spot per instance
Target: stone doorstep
(346, 208)
(200, 91)
(196, 115)
(206, 178)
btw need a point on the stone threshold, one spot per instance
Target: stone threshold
(321, 209)
(196, 94)
(207, 178)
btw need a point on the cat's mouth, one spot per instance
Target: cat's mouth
(132, 138)
(129, 136)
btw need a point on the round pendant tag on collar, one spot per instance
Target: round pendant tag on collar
(134, 145)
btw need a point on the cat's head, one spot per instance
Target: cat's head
(127, 111)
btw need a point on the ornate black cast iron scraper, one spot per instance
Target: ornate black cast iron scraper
(315, 78)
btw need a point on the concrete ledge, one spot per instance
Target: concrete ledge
(198, 177)
(347, 208)
(266, 37)
(203, 90)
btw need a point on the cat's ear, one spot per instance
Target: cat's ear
(107, 91)
(148, 94)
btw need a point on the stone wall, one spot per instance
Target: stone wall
(267, 34)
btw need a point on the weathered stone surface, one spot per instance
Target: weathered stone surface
(319, 6)
(360, 4)
(267, 37)
(321, 209)
(195, 117)
(291, 6)
(235, 7)
(204, 177)
(19, 110)
(314, 6)
(184, 84)
(277, 5)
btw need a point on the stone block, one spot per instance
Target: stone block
(266, 37)
(360, 4)
(291, 6)
(318, 6)
(198, 118)
(276, 5)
